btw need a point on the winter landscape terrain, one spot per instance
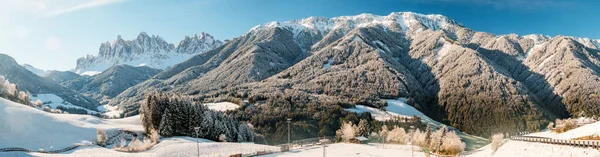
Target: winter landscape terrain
(400, 84)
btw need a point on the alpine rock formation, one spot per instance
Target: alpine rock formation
(477, 82)
(152, 51)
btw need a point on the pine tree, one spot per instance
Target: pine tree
(166, 128)
(363, 128)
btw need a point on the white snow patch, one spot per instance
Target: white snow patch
(90, 73)
(110, 111)
(328, 65)
(54, 101)
(585, 130)
(532, 149)
(27, 127)
(351, 150)
(222, 106)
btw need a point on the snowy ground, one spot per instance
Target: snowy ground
(54, 101)
(27, 127)
(530, 149)
(109, 110)
(222, 106)
(400, 108)
(586, 130)
(349, 150)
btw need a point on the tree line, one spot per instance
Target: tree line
(176, 115)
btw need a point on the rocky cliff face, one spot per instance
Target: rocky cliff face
(475, 81)
(145, 50)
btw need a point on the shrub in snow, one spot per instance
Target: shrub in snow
(347, 131)
(223, 138)
(451, 144)
(550, 126)
(38, 103)
(136, 146)
(496, 141)
(397, 135)
(419, 138)
(565, 125)
(101, 137)
(436, 139)
(24, 96)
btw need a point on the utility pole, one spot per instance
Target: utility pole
(197, 129)
(289, 120)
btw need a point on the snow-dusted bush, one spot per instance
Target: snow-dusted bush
(419, 138)
(550, 126)
(136, 146)
(565, 125)
(38, 103)
(397, 135)
(347, 131)
(451, 144)
(223, 138)
(496, 141)
(24, 96)
(436, 139)
(101, 137)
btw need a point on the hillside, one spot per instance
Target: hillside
(27, 127)
(112, 81)
(30, 82)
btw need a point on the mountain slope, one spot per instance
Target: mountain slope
(35, 70)
(35, 84)
(111, 82)
(145, 50)
(475, 81)
(61, 76)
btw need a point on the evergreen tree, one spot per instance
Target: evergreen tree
(166, 128)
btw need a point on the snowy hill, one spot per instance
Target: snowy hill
(152, 51)
(400, 108)
(27, 127)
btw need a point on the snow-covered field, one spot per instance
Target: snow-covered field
(586, 130)
(349, 150)
(54, 101)
(222, 106)
(27, 127)
(400, 108)
(109, 110)
(530, 149)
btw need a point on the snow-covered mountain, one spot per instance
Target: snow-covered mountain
(35, 70)
(152, 51)
(451, 73)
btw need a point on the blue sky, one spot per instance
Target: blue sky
(53, 34)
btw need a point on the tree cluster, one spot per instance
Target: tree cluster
(175, 115)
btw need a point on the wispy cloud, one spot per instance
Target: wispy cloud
(82, 6)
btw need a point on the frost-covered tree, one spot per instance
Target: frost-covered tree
(419, 138)
(397, 135)
(101, 137)
(496, 141)
(363, 128)
(348, 131)
(436, 139)
(24, 96)
(451, 144)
